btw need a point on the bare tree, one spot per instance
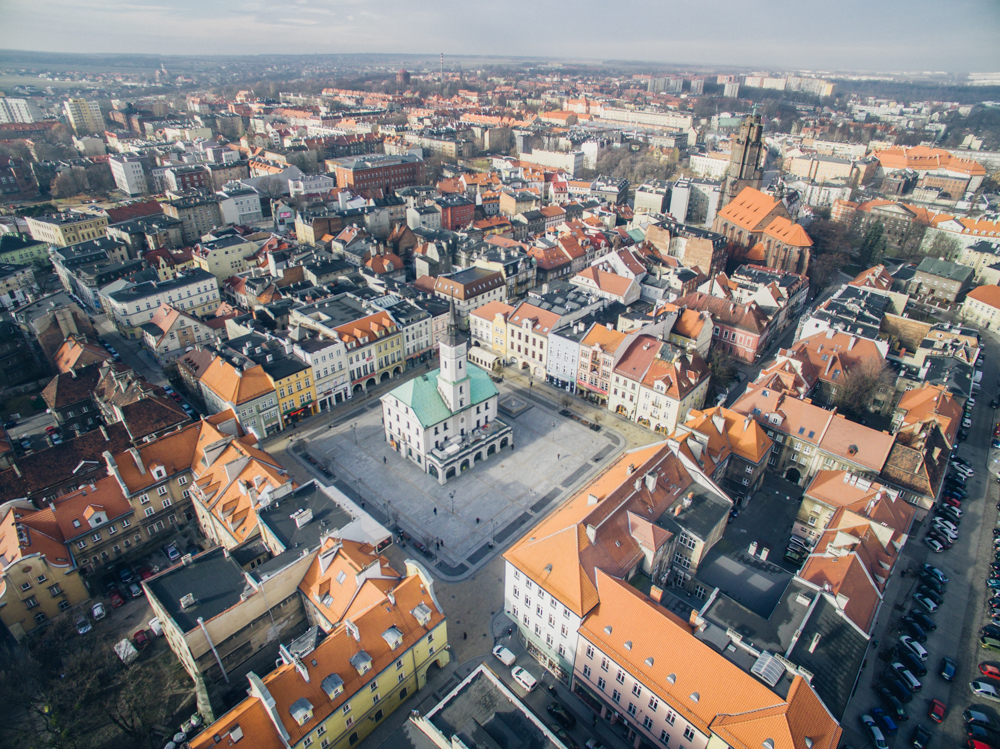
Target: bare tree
(855, 393)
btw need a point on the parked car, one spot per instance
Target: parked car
(979, 733)
(936, 711)
(915, 630)
(97, 611)
(929, 581)
(140, 639)
(923, 620)
(126, 574)
(925, 590)
(887, 724)
(988, 668)
(874, 732)
(504, 655)
(929, 569)
(936, 546)
(82, 625)
(993, 582)
(962, 461)
(561, 714)
(116, 599)
(172, 553)
(134, 590)
(926, 603)
(952, 502)
(910, 645)
(985, 689)
(977, 716)
(948, 669)
(145, 572)
(892, 704)
(899, 689)
(912, 663)
(904, 675)
(942, 539)
(920, 737)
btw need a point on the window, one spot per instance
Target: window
(346, 709)
(182, 480)
(55, 590)
(604, 664)
(564, 631)
(590, 651)
(399, 664)
(112, 529)
(373, 686)
(586, 671)
(620, 678)
(688, 733)
(601, 683)
(548, 640)
(631, 709)
(149, 511)
(40, 617)
(376, 698)
(30, 603)
(538, 630)
(96, 537)
(25, 586)
(41, 578)
(517, 593)
(144, 499)
(81, 544)
(552, 620)
(637, 690)
(538, 610)
(161, 491)
(126, 523)
(664, 737)
(63, 605)
(616, 696)
(653, 704)
(671, 716)
(167, 503)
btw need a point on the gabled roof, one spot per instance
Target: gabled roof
(785, 231)
(236, 386)
(989, 295)
(74, 386)
(748, 209)
(932, 402)
(491, 309)
(77, 352)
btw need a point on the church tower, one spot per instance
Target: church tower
(453, 377)
(746, 163)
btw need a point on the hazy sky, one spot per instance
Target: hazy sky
(952, 35)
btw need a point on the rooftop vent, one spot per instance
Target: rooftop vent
(607, 630)
(649, 661)
(187, 601)
(672, 678)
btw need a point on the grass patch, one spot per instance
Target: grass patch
(27, 405)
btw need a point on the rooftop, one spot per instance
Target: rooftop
(214, 581)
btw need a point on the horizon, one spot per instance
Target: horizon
(723, 33)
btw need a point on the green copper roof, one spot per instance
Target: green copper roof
(421, 394)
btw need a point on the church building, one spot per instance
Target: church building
(446, 421)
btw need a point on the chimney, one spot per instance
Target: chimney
(850, 345)
(651, 481)
(138, 460)
(105, 433)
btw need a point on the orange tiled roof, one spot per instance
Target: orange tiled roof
(932, 402)
(922, 158)
(491, 309)
(222, 378)
(986, 294)
(748, 209)
(785, 231)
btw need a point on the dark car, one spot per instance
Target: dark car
(925, 590)
(561, 714)
(564, 737)
(933, 583)
(979, 733)
(990, 629)
(914, 664)
(948, 669)
(941, 539)
(900, 690)
(886, 723)
(110, 583)
(923, 620)
(126, 574)
(10, 424)
(892, 705)
(913, 629)
(920, 737)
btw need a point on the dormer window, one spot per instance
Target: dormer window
(159, 472)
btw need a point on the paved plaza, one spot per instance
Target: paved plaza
(478, 512)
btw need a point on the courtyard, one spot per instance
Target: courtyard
(465, 522)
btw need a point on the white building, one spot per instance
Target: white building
(194, 291)
(18, 110)
(311, 184)
(129, 175)
(239, 204)
(445, 420)
(331, 376)
(570, 161)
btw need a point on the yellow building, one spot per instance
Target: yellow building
(64, 229)
(374, 350)
(20, 249)
(223, 257)
(39, 578)
(334, 694)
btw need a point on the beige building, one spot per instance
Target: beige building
(39, 578)
(64, 229)
(84, 116)
(982, 307)
(223, 257)
(198, 214)
(333, 694)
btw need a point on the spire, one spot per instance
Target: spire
(451, 338)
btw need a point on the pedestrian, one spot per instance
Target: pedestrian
(435, 510)
(558, 455)
(477, 521)
(383, 460)
(465, 635)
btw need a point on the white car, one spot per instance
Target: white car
(525, 679)
(503, 655)
(934, 545)
(962, 470)
(97, 611)
(941, 526)
(967, 422)
(874, 731)
(985, 689)
(913, 646)
(929, 606)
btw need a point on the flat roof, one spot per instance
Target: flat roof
(327, 516)
(212, 578)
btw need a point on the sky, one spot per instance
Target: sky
(869, 35)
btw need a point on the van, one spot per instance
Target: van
(155, 627)
(504, 656)
(523, 678)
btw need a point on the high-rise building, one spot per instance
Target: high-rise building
(84, 116)
(18, 110)
(130, 177)
(746, 163)
(697, 85)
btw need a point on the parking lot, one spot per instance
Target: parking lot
(961, 615)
